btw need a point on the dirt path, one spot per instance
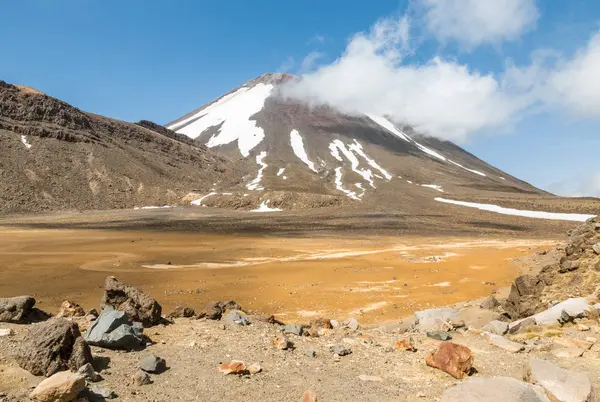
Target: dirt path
(375, 278)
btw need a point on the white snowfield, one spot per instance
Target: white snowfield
(298, 147)
(339, 185)
(255, 184)
(264, 207)
(233, 113)
(388, 125)
(519, 212)
(24, 141)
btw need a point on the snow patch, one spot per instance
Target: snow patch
(198, 202)
(340, 146)
(357, 147)
(280, 172)
(466, 168)
(340, 187)
(255, 184)
(433, 186)
(233, 112)
(264, 207)
(519, 212)
(153, 207)
(385, 123)
(298, 147)
(24, 141)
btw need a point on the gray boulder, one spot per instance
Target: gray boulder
(496, 327)
(439, 335)
(16, 309)
(153, 364)
(136, 304)
(573, 308)
(489, 303)
(504, 343)
(237, 317)
(435, 319)
(494, 389)
(52, 346)
(141, 378)
(214, 310)
(114, 330)
(340, 350)
(293, 329)
(560, 384)
(521, 326)
(88, 372)
(351, 323)
(524, 297)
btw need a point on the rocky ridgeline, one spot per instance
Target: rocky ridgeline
(546, 335)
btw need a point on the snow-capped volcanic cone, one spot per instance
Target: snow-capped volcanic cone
(297, 156)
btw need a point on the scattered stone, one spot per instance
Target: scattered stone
(310, 353)
(93, 312)
(153, 364)
(214, 310)
(493, 389)
(435, 319)
(269, 319)
(293, 329)
(100, 392)
(503, 343)
(569, 265)
(309, 396)
(489, 303)
(583, 328)
(596, 248)
(16, 309)
(370, 378)
(456, 360)
(568, 352)
(135, 303)
(282, 343)
(182, 312)
(573, 308)
(114, 330)
(254, 368)
(524, 297)
(335, 323)
(496, 327)
(52, 346)
(87, 371)
(233, 367)
(69, 309)
(340, 350)
(63, 386)
(524, 325)
(351, 323)
(324, 323)
(439, 335)
(237, 317)
(405, 344)
(560, 384)
(6, 332)
(141, 378)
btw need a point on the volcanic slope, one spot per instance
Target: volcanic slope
(57, 157)
(303, 156)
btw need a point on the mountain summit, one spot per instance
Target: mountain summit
(289, 148)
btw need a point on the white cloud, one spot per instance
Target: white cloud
(440, 97)
(576, 84)
(587, 186)
(310, 61)
(287, 65)
(476, 22)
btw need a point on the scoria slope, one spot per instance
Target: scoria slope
(295, 156)
(57, 157)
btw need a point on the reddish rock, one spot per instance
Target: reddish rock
(456, 360)
(405, 344)
(282, 343)
(233, 367)
(309, 396)
(70, 309)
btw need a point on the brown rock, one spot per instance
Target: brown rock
(524, 298)
(269, 319)
(141, 378)
(405, 344)
(182, 312)
(214, 310)
(282, 343)
(233, 367)
(309, 396)
(254, 368)
(61, 387)
(138, 305)
(52, 346)
(456, 360)
(16, 309)
(70, 309)
(324, 323)
(489, 303)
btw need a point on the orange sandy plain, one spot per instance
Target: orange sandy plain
(375, 279)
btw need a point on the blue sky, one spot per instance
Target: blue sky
(150, 59)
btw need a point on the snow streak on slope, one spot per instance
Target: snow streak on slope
(434, 186)
(280, 172)
(519, 212)
(356, 147)
(298, 147)
(232, 113)
(337, 146)
(340, 187)
(198, 202)
(385, 123)
(255, 184)
(24, 141)
(264, 207)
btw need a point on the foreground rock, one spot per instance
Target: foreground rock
(524, 297)
(233, 367)
(309, 396)
(182, 312)
(237, 317)
(503, 343)
(496, 327)
(141, 378)
(136, 304)
(16, 309)
(489, 303)
(559, 384)
(114, 330)
(436, 319)
(70, 309)
(53, 346)
(494, 389)
(214, 310)
(456, 360)
(572, 308)
(61, 387)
